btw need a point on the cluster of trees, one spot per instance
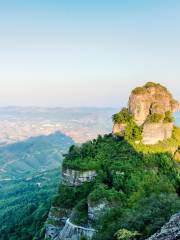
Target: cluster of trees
(141, 189)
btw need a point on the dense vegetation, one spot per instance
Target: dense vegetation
(143, 89)
(141, 190)
(24, 205)
(26, 186)
(123, 116)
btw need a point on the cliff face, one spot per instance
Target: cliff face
(60, 223)
(74, 178)
(155, 132)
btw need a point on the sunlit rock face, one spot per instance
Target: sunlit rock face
(149, 99)
(155, 132)
(119, 128)
(170, 231)
(77, 178)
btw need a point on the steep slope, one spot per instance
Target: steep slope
(108, 186)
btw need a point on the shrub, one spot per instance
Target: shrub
(124, 234)
(122, 117)
(168, 117)
(133, 132)
(155, 118)
(139, 90)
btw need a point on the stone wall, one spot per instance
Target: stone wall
(155, 132)
(76, 178)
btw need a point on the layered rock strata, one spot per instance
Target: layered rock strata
(77, 178)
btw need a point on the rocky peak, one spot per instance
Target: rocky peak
(150, 99)
(150, 108)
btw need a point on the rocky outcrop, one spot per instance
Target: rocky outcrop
(170, 231)
(150, 108)
(76, 178)
(155, 132)
(119, 128)
(96, 211)
(57, 218)
(74, 232)
(149, 99)
(58, 224)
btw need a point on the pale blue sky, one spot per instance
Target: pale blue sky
(86, 53)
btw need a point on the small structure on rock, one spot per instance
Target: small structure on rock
(150, 111)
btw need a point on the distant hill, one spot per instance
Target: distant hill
(35, 154)
(81, 124)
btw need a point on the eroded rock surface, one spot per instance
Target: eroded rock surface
(76, 178)
(155, 132)
(95, 211)
(170, 231)
(57, 218)
(119, 128)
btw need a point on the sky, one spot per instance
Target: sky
(86, 53)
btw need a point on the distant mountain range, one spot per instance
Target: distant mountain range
(81, 124)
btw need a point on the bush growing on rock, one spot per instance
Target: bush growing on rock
(122, 117)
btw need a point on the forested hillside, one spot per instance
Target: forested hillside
(133, 192)
(29, 174)
(24, 205)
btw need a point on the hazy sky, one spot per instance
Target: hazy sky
(86, 53)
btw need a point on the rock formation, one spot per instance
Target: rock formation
(170, 231)
(73, 177)
(96, 211)
(149, 99)
(59, 225)
(150, 107)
